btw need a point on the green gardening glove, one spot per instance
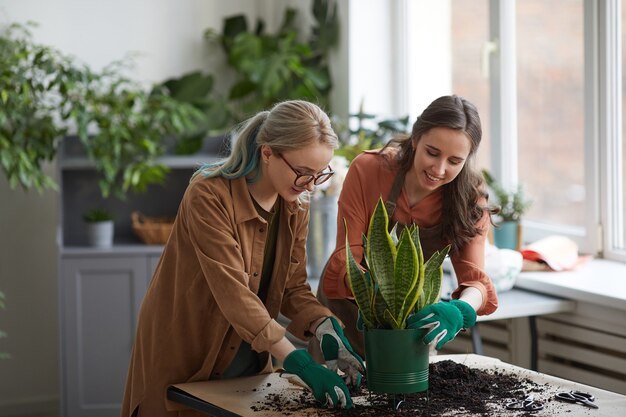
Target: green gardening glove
(444, 319)
(328, 388)
(338, 352)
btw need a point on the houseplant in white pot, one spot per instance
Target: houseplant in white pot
(100, 227)
(397, 283)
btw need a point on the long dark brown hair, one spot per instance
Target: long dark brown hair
(460, 210)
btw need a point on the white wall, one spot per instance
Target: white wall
(28, 278)
(429, 53)
(384, 49)
(371, 68)
(168, 36)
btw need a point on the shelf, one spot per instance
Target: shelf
(171, 161)
(128, 249)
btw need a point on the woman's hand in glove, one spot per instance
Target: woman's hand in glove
(444, 319)
(338, 352)
(328, 388)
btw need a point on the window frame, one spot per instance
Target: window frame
(610, 91)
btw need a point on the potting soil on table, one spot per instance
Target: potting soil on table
(454, 389)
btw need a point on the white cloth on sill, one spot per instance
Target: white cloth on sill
(501, 265)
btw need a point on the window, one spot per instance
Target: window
(550, 109)
(548, 81)
(620, 238)
(447, 46)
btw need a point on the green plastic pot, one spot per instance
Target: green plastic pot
(397, 361)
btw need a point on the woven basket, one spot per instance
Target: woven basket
(152, 230)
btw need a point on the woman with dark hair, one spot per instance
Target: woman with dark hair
(236, 259)
(426, 178)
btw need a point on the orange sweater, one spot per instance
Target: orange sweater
(370, 177)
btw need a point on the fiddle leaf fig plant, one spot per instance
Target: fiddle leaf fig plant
(397, 281)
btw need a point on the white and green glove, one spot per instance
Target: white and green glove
(338, 352)
(327, 387)
(444, 319)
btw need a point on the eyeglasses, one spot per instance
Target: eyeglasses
(302, 180)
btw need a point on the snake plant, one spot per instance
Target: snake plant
(397, 281)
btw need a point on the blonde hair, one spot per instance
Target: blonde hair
(292, 124)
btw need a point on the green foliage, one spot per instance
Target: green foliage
(266, 67)
(272, 67)
(513, 204)
(120, 124)
(3, 355)
(122, 127)
(371, 132)
(196, 90)
(97, 215)
(397, 281)
(30, 90)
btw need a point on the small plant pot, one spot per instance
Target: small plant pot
(508, 235)
(397, 361)
(100, 234)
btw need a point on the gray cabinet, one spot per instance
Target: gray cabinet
(100, 301)
(101, 290)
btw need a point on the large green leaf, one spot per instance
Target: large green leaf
(393, 321)
(416, 292)
(190, 87)
(415, 235)
(405, 274)
(380, 306)
(433, 276)
(361, 286)
(381, 252)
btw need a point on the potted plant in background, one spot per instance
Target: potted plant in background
(397, 283)
(100, 227)
(265, 68)
(513, 205)
(371, 132)
(29, 96)
(271, 67)
(123, 127)
(45, 95)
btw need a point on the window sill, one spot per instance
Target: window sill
(599, 282)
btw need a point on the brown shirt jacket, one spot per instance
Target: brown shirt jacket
(370, 177)
(202, 302)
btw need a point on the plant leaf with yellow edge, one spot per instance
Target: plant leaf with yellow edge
(361, 286)
(381, 252)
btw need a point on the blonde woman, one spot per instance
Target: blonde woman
(234, 261)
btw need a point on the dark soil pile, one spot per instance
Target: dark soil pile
(453, 389)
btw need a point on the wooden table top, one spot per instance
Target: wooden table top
(242, 396)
